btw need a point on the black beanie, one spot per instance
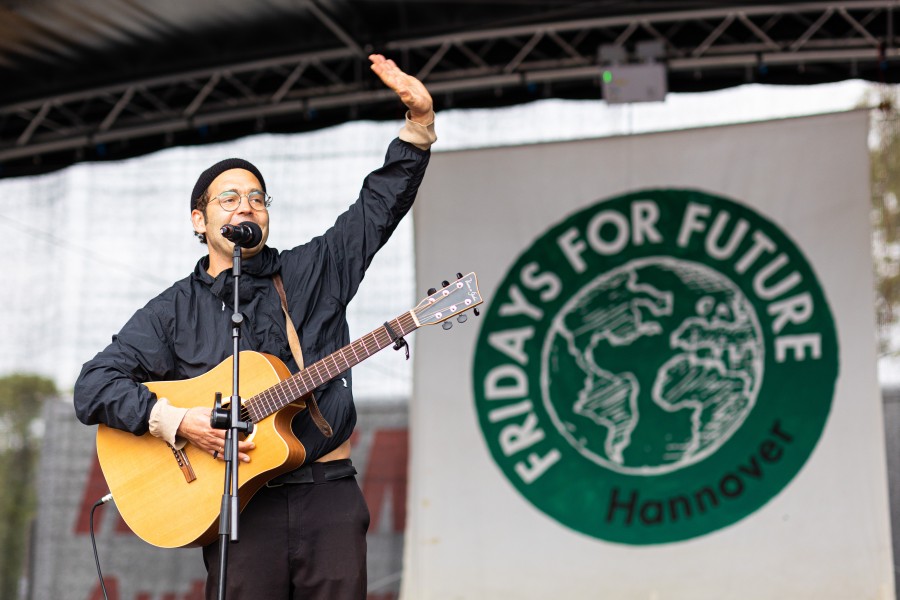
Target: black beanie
(207, 176)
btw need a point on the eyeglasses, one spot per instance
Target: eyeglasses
(229, 200)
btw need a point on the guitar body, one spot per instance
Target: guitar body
(152, 491)
(171, 498)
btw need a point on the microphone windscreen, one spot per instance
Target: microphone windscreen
(255, 236)
(246, 235)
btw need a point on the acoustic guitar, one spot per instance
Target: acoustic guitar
(171, 498)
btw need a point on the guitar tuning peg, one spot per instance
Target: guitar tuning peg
(431, 291)
(445, 283)
(462, 319)
(459, 275)
(475, 310)
(447, 325)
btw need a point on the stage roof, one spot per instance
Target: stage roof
(108, 79)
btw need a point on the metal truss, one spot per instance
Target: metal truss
(839, 39)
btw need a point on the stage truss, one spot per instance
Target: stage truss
(703, 49)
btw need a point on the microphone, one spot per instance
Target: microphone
(246, 235)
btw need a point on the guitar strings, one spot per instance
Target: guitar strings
(283, 393)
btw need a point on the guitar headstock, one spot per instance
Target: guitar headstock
(453, 299)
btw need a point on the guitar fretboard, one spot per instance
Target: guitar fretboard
(322, 371)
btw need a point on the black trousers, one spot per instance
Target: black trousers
(298, 541)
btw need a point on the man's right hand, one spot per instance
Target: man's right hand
(195, 428)
(411, 91)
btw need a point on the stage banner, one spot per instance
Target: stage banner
(671, 391)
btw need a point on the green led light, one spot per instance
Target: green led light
(607, 76)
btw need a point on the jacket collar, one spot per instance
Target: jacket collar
(263, 265)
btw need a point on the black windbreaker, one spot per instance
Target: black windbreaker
(186, 331)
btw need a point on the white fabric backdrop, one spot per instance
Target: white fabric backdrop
(471, 535)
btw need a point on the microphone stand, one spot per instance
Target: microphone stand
(230, 420)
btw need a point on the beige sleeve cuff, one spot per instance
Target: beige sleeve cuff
(164, 422)
(420, 136)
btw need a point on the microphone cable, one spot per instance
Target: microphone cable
(100, 502)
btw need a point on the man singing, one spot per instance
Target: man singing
(303, 534)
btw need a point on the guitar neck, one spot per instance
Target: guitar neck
(322, 371)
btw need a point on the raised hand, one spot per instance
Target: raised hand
(410, 90)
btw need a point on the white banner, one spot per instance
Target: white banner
(671, 391)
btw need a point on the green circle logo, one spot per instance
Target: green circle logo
(655, 367)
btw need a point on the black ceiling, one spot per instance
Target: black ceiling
(54, 46)
(66, 65)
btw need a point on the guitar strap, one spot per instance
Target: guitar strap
(294, 343)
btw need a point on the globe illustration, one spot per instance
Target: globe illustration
(652, 366)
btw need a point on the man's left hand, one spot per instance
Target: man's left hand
(411, 91)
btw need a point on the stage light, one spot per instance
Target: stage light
(623, 81)
(634, 83)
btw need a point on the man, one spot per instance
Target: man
(303, 535)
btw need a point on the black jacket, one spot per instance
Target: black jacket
(186, 330)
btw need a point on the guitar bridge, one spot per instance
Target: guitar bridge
(183, 463)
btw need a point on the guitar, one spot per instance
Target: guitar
(171, 498)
